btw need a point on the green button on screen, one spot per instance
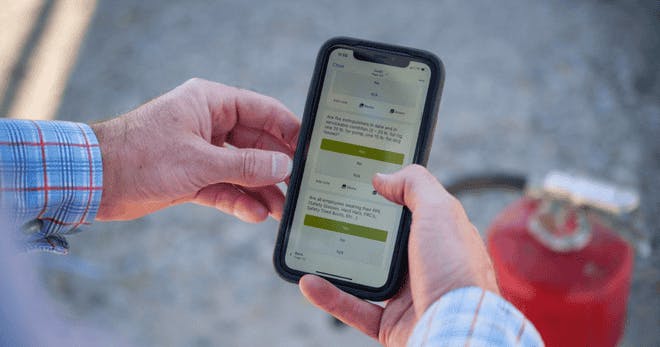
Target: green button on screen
(362, 151)
(345, 228)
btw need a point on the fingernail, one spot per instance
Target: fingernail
(282, 165)
(245, 214)
(382, 175)
(240, 214)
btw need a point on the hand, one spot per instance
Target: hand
(173, 150)
(445, 252)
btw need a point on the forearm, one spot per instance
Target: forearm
(476, 317)
(50, 180)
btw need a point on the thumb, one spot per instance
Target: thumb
(355, 312)
(247, 167)
(413, 186)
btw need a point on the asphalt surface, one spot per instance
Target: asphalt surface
(530, 87)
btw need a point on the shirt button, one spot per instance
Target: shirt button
(32, 227)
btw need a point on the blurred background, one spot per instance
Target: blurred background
(530, 87)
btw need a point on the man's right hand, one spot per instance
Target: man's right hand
(174, 149)
(445, 252)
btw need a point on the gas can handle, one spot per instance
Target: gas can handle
(583, 191)
(610, 204)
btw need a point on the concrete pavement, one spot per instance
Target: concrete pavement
(530, 87)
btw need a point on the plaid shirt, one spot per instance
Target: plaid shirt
(51, 184)
(472, 316)
(50, 180)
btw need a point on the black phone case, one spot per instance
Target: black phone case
(399, 258)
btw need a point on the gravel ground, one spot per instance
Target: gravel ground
(530, 87)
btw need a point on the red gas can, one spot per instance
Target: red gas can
(575, 296)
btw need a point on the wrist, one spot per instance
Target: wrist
(429, 289)
(108, 142)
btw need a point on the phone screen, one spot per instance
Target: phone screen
(367, 121)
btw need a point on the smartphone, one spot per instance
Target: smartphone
(371, 107)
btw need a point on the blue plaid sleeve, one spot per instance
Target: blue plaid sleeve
(473, 317)
(50, 181)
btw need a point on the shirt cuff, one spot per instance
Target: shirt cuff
(473, 316)
(51, 180)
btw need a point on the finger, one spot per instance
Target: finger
(414, 187)
(232, 200)
(271, 197)
(268, 114)
(244, 137)
(357, 313)
(232, 106)
(244, 167)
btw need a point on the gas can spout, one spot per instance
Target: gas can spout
(560, 225)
